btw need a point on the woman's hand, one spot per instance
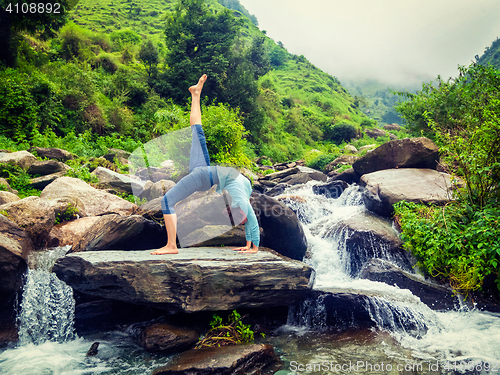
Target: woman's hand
(248, 249)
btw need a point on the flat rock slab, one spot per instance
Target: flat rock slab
(195, 279)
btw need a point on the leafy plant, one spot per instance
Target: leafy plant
(69, 214)
(231, 333)
(457, 242)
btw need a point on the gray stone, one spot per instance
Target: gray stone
(375, 133)
(384, 188)
(116, 232)
(92, 201)
(118, 181)
(392, 127)
(7, 197)
(41, 182)
(46, 167)
(4, 182)
(402, 153)
(52, 153)
(280, 174)
(195, 279)
(23, 159)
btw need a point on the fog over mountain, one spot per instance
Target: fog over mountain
(393, 41)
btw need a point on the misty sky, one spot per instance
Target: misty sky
(394, 41)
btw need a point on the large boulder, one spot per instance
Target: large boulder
(367, 236)
(402, 153)
(34, 215)
(52, 153)
(7, 197)
(15, 245)
(117, 181)
(437, 297)
(384, 188)
(116, 232)
(46, 167)
(92, 201)
(23, 159)
(70, 232)
(282, 229)
(235, 359)
(195, 279)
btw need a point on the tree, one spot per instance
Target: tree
(463, 116)
(198, 41)
(18, 16)
(149, 56)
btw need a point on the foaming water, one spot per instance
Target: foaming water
(48, 307)
(460, 335)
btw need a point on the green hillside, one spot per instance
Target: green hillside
(491, 55)
(111, 72)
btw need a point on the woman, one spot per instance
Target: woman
(202, 177)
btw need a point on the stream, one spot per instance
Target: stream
(407, 338)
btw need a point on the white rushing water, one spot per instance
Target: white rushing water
(463, 335)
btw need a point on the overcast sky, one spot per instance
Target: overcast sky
(394, 41)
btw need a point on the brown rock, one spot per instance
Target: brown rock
(34, 215)
(46, 167)
(402, 153)
(21, 158)
(7, 197)
(162, 337)
(116, 232)
(227, 360)
(52, 153)
(70, 232)
(15, 245)
(4, 182)
(94, 202)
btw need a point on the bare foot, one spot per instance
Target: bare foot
(196, 89)
(165, 250)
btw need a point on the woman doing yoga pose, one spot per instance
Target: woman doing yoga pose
(202, 177)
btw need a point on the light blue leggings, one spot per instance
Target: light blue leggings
(201, 175)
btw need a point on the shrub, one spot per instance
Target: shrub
(321, 161)
(340, 133)
(458, 242)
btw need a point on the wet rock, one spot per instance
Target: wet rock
(195, 279)
(257, 359)
(437, 297)
(402, 153)
(116, 232)
(162, 337)
(93, 349)
(34, 215)
(94, 202)
(23, 159)
(348, 176)
(15, 245)
(279, 175)
(332, 189)
(384, 188)
(276, 190)
(368, 236)
(283, 230)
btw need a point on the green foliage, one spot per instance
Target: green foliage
(231, 333)
(463, 116)
(18, 179)
(458, 242)
(124, 38)
(340, 133)
(321, 161)
(149, 56)
(71, 213)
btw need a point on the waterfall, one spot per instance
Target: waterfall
(47, 309)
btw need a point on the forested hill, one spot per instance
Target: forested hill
(491, 55)
(120, 68)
